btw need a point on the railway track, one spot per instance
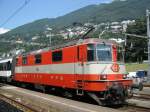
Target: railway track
(137, 108)
(20, 106)
(141, 96)
(131, 107)
(32, 101)
(146, 85)
(28, 107)
(138, 103)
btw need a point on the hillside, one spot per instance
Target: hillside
(115, 11)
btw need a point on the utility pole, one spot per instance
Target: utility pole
(49, 35)
(148, 36)
(148, 32)
(105, 30)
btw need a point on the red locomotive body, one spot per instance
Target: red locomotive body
(87, 66)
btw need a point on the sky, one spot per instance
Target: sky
(38, 9)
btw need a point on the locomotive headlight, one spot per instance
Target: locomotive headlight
(103, 77)
(124, 76)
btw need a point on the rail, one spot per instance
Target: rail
(138, 108)
(141, 96)
(146, 85)
(17, 104)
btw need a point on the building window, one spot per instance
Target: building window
(57, 56)
(38, 59)
(24, 60)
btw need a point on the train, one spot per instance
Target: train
(83, 67)
(5, 69)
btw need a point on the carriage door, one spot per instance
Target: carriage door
(80, 70)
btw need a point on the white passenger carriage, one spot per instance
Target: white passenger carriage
(5, 69)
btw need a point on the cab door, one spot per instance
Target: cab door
(80, 69)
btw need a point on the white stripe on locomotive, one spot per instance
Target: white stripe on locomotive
(71, 68)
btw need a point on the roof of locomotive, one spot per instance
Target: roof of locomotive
(72, 43)
(97, 40)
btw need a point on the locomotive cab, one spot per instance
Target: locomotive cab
(108, 58)
(104, 76)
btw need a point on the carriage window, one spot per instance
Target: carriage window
(90, 52)
(24, 60)
(1, 66)
(103, 52)
(57, 56)
(5, 66)
(8, 65)
(38, 59)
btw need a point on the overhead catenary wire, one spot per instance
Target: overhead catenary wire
(15, 12)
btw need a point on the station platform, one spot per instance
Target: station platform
(46, 102)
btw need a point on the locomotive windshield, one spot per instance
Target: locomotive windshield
(103, 52)
(99, 52)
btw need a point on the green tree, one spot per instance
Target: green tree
(136, 47)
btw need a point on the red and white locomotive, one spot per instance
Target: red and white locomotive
(84, 67)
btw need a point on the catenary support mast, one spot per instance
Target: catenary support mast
(148, 36)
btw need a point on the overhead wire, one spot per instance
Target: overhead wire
(16, 11)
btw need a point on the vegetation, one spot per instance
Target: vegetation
(115, 11)
(131, 67)
(136, 48)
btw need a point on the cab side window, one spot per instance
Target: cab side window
(90, 52)
(57, 56)
(24, 60)
(38, 59)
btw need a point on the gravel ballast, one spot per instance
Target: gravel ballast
(6, 107)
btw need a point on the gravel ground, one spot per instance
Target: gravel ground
(5, 107)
